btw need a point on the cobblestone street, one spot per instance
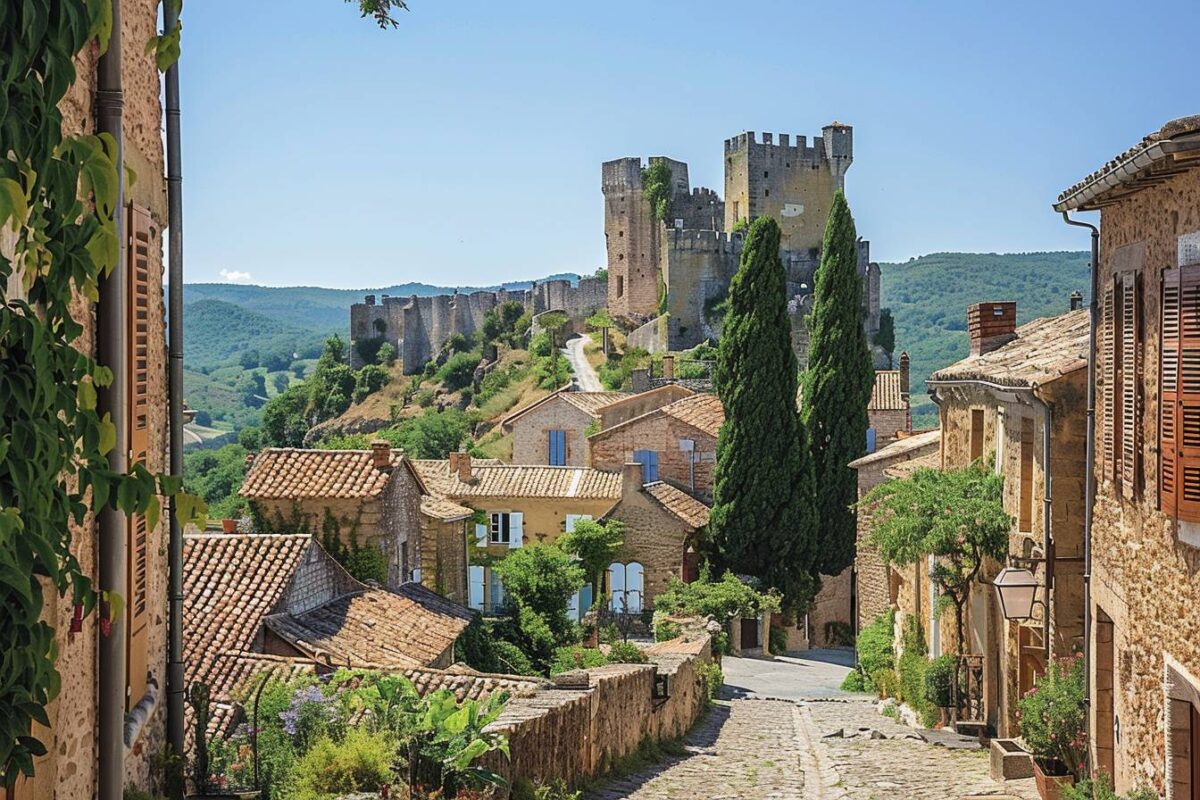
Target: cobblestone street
(751, 748)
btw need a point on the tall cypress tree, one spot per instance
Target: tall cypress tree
(763, 519)
(837, 386)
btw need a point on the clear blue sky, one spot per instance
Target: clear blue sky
(465, 146)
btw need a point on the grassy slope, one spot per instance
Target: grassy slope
(929, 298)
(218, 332)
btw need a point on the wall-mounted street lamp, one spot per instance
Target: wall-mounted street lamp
(1017, 589)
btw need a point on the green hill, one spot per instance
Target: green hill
(219, 333)
(929, 297)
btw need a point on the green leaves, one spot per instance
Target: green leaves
(165, 47)
(13, 205)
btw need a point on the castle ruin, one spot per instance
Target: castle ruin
(669, 276)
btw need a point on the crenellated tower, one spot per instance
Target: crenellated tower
(788, 179)
(632, 237)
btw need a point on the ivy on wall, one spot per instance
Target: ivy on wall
(58, 197)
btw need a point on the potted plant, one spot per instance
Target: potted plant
(1054, 726)
(939, 680)
(229, 525)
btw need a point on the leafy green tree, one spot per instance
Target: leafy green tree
(955, 516)
(371, 379)
(387, 354)
(539, 581)
(595, 544)
(459, 370)
(657, 189)
(216, 476)
(837, 387)
(434, 434)
(281, 381)
(886, 337)
(284, 418)
(249, 359)
(763, 519)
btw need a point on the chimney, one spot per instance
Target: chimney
(1076, 300)
(991, 325)
(381, 454)
(904, 377)
(631, 478)
(460, 463)
(669, 367)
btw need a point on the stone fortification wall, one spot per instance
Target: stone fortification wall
(651, 337)
(418, 326)
(701, 209)
(697, 266)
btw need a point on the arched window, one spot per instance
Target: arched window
(627, 586)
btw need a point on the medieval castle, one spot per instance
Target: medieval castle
(667, 277)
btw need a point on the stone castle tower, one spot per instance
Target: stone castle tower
(788, 180)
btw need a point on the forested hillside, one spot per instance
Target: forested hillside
(929, 296)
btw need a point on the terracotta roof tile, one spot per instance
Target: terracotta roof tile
(409, 627)
(680, 503)
(702, 411)
(443, 509)
(906, 447)
(1044, 350)
(290, 473)
(467, 684)
(587, 402)
(435, 473)
(903, 469)
(520, 480)
(887, 393)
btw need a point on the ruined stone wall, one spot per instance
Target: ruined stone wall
(651, 337)
(698, 266)
(702, 209)
(1145, 564)
(444, 558)
(613, 448)
(531, 433)
(792, 182)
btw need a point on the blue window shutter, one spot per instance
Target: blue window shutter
(649, 461)
(870, 440)
(558, 448)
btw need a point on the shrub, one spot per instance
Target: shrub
(626, 653)
(838, 633)
(723, 599)
(939, 680)
(911, 671)
(424, 398)
(665, 630)
(575, 657)
(360, 762)
(511, 659)
(368, 349)
(557, 789)
(855, 681)
(885, 681)
(713, 679)
(459, 370)
(386, 355)
(1101, 788)
(777, 641)
(874, 646)
(1053, 715)
(371, 379)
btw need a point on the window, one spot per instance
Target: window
(558, 448)
(626, 585)
(486, 591)
(1122, 375)
(1179, 385)
(501, 529)
(976, 433)
(621, 280)
(649, 461)
(1025, 494)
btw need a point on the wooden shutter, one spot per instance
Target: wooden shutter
(1131, 385)
(1025, 493)
(1109, 423)
(1168, 394)
(141, 235)
(1187, 408)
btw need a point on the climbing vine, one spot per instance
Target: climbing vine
(656, 187)
(58, 198)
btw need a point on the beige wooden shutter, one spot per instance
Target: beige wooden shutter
(1188, 406)
(1109, 416)
(141, 236)
(1168, 393)
(1131, 385)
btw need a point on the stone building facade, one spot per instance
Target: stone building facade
(70, 767)
(369, 497)
(444, 556)
(1144, 638)
(553, 430)
(1023, 390)
(888, 411)
(678, 439)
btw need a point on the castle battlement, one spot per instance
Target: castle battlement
(835, 141)
(704, 193)
(705, 241)
(621, 174)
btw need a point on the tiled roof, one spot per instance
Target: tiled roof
(680, 503)
(702, 411)
(903, 469)
(1044, 350)
(468, 684)
(408, 627)
(902, 448)
(443, 509)
(887, 393)
(290, 473)
(435, 473)
(587, 402)
(230, 582)
(522, 480)
(1169, 150)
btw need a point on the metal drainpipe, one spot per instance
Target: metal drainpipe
(112, 335)
(175, 677)
(1090, 459)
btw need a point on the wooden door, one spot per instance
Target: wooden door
(749, 634)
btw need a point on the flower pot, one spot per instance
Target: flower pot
(229, 525)
(1051, 775)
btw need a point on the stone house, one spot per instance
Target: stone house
(888, 411)
(553, 430)
(278, 603)
(1144, 640)
(71, 766)
(516, 505)
(676, 443)
(1020, 400)
(368, 497)
(444, 556)
(664, 527)
(878, 587)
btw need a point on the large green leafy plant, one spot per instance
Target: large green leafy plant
(58, 197)
(1053, 715)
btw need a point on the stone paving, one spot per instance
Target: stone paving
(760, 749)
(744, 750)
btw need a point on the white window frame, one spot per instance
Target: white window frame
(500, 528)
